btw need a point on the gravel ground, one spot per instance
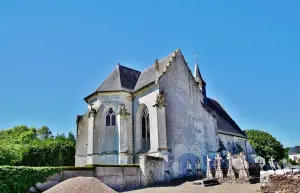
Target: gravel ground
(81, 185)
(188, 187)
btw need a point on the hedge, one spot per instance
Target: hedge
(19, 179)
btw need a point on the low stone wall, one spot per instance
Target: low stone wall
(285, 183)
(264, 175)
(152, 170)
(117, 178)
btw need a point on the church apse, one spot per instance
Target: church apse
(106, 135)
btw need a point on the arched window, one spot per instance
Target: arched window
(198, 164)
(145, 129)
(188, 165)
(110, 118)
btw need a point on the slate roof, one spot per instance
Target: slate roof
(121, 79)
(148, 76)
(216, 107)
(294, 150)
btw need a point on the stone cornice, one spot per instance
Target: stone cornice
(145, 88)
(100, 93)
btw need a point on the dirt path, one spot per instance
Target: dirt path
(188, 187)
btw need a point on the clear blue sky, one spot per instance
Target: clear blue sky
(54, 53)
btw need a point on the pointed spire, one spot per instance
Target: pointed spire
(199, 80)
(197, 73)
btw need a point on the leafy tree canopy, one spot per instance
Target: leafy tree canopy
(265, 144)
(44, 132)
(27, 146)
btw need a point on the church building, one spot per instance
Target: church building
(162, 111)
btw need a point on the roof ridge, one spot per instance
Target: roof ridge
(127, 67)
(174, 52)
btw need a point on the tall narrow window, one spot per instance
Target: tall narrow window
(113, 120)
(198, 164)
(188, 165)
(110, 118)
(148, 126)
(145, 129)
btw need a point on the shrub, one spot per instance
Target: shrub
(19, 179)
(293, 162)
(24, 146)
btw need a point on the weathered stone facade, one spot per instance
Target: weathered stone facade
(161, 112)
(191, 128)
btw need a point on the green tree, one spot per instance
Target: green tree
(71, 137)
(44, 133)
(265, 144)
(286, 153)
(26, 146)
(60, 136)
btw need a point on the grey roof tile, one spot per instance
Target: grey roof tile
(148, 76)
(294, 150)
(234, 129)
(121, 79)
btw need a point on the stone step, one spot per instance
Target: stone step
(207, 182)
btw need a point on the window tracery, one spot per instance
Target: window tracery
(110, 118)
(146, 129)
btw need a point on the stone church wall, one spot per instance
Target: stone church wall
(82, 141)
(191, 130)
(146, 98)
(106, 138)
(230, 142)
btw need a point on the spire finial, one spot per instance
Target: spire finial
(196, 71)
(156, 65)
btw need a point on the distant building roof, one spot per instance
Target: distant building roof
(217, 108)
(294, 150)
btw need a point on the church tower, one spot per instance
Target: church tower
(200, 81)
